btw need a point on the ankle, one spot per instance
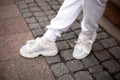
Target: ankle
(46, 41)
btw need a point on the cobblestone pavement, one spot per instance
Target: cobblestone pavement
(103, 63)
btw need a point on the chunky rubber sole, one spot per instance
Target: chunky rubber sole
(36, 54)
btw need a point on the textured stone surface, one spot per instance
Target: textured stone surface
(115, 51)
(97, 46)
(83, 75)
(95, 69)
(62, 45)
(75, 26)
(42, 19)
(37, 32)
(117, 76)
(110, 42)
(102, 76)
(69, 35)
(59, 69)
(35, 9)
(66, 77)
(31, 20)
(90, 61)
(71, 42)
(77, 32)
(103, 55)
(102, 35)
(74, 65)
(67, 54)
(53, 59)
(34, 26)
(112, 66)
(37, 14)
(27, 15)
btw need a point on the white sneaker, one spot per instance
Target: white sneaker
(34, 48)
(83, 46)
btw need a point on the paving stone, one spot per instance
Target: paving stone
(67, 54)
(45, 8)
(25, 11)
(103, 55)
(77, 32)
(34, 9)
(74, 65)
(112, 66)
(27, 15)
(53, 59)
(102, 35)
(51, 17)
(110, 42)
(117, 76)
(59, 69)
(22, 6)
(20, 2)
(83, 75)
(37, 14)
(75, 26)
(115, 51)
(53, 2)
(66, 77)
(59, 39)
(56, 7)
(102, 76)
(68, 30)
(37, 32)
(49, 12)
(29, 1)
(42, 19)
(61, 1)
(99, 29)
(32, 4)
(44, 24)
(62, 45)
(97, 46)
(71, 42)
(80, 17)
(31, 20)
(42, 3)
(69, 35)
(90, 61)
(34, 26)
(96, 69)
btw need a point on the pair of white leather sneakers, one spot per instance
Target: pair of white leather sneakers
(34, 48)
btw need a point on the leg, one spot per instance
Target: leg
(46, 45)
(67, 14)
(92, 12)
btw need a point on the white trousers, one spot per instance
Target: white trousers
(92, 11)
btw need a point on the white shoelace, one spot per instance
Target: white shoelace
(84, 43)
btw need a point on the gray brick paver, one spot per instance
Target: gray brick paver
(83, 75)
(74, 65)
(102, 76)
(59, 69)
